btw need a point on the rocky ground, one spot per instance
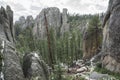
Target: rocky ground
(80, 70)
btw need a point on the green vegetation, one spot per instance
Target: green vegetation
(76, 20)
(95, 29)
(102, 70)
(64, 49)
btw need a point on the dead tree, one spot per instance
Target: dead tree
(49, 44)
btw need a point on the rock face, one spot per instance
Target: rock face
(98, 76)
(6, 22)
(34, 67)
(55, 20)
(11, 69)
(65, 24)
(111, 41)
(24, 23)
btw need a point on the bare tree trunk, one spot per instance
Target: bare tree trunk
(49, 45)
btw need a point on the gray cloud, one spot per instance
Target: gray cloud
(2, 3)
(100, 7)
(73, 2)
(35, 7)
(18, 7)
(86, 6)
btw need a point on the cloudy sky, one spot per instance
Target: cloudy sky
(33, 7)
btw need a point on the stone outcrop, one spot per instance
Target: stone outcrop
(11, 68)
(111, 41)
(98, 76)
(65, 25)
(55, 20)
(6, 22)
(34, 67)
(53, 16)
(24, 23)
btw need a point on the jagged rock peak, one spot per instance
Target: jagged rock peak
(53, 16)
(6, 20)
(51, 8)
(29, 18)
(65, 25)
(11, 64)
(3, 12)
(8, 7)
(22, 19)
(55, 20)
(64, 14)
(23, 22)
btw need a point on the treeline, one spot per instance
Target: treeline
(76, 20)
(64, 49)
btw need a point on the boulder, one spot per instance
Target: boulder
(34, 67)
(82, 69)
(98, 76)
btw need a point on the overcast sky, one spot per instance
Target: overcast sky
(33, 7)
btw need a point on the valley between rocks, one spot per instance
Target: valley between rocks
(57, 45)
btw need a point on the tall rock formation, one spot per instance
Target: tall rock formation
(11, 68)
(65, 25)
(111, 41)
(53, 16)
(24, 23)
(55, 20)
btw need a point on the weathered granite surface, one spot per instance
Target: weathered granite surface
(111, 41)
(11, 67)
